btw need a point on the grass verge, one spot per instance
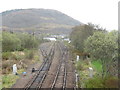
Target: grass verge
(96, 64)
(9, 79)
(28, 57)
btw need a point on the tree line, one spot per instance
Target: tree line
(19, 41)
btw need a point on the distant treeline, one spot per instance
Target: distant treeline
(19, 41)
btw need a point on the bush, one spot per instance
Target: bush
(10, 55)
(7, 66)
(19, 41)
(19, 57)
(95, 82)
(79, 65)
(103, 46)
(6, 55)
(28, 41)
(10, 42)
(82, 65)
(111, 82)
(36, 57)
(99, 82)
(29, 54)
(81, 33)
(8, 80)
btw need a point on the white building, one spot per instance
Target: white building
(50, 38)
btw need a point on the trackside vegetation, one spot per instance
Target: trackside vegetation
(98, 49)
(20, 49)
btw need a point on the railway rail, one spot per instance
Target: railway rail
(37, 79)
(59, 77)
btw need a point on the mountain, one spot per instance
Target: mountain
(38, 20)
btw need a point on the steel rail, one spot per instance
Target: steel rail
(58, 70)
(42, 66)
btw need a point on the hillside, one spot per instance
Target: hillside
(39, 20)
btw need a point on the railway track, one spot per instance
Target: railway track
(61, 74)
(38, 78)
(45, 51)
(49, 76)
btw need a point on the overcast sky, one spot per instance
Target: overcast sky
(102, 12)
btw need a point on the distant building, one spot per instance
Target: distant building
(50, 38)
(67, 39)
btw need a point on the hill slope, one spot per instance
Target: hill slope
(42, 20)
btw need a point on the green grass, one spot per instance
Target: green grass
(99, 82)
(96, 82)
(9, 79)
(82, 69)
(96, 64)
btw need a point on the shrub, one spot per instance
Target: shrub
(111, 82)
(79, 65)
(29, 54)
(19, 41)
(8, 80)
(36, 57)
(7, 66)
(10, 55)
(99, 82)
(10, 42)
(95, 82)
(81, 33)
(103, 46)
(6, 55)
(19, 57)
(28, 41)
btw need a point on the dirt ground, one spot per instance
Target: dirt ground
(23, 80)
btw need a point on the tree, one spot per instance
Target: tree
(18, 41)
(81, 33)
(102, 46)
(28, 41)
(10, 42)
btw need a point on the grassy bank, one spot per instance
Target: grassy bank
(96, 81)
(9, 79)
(22, 59)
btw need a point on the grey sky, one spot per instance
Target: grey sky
(102, 12)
